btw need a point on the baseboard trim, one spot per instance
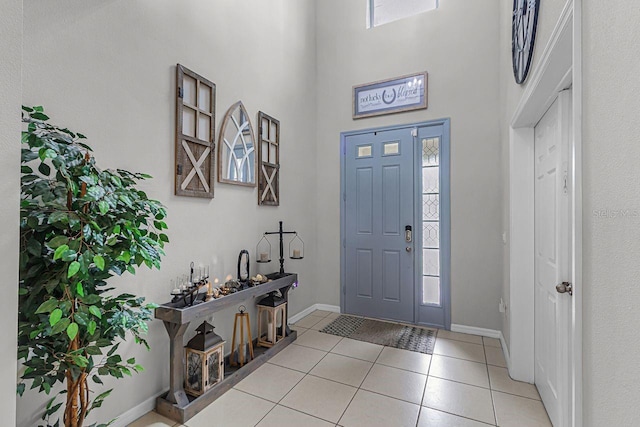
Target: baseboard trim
(472, 330)
(136, 412)
(489, 333)
(311, 309)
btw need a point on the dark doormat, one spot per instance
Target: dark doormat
(396, 335)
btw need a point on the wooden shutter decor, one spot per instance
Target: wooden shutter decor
(268, 160)
(195, 134)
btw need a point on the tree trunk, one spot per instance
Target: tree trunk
(77, 391)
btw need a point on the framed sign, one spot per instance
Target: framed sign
(404, 93)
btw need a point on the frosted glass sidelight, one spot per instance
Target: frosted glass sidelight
(431, 179)
(431, 290)
(431, 235)
(431, 262)
(431, 207)
(430, 151)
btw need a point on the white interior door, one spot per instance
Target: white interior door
(553, 258)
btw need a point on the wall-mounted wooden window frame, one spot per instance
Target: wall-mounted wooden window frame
(195, 134)
(268, 160)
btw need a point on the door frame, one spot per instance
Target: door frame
(445, 228)
(560, 68)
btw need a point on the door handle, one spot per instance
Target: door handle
(408, 248)
(408, 234)
(564, 287)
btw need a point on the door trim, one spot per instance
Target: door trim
(559, 68)
(445, 123)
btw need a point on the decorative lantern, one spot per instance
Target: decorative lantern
(263, 250)
(242, 319)
(296, 248)
(275, 309)
(205, 360)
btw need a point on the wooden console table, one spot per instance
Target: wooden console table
(176, 404)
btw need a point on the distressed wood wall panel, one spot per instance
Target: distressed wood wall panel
(268, 160)
(195, 134)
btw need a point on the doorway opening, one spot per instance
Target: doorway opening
(395, 223)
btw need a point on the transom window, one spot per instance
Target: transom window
(384, 11)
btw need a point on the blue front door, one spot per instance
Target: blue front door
(379, 229)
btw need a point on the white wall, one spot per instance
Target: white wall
(611, 131)
(458, 46)
(10, 94)
(107, 69)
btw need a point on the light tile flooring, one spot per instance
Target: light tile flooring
(324, 380)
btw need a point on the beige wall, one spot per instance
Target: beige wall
(10, 94)
(611, 149)
(458, 45)
(107, 69)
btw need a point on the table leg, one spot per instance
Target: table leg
(176, 364)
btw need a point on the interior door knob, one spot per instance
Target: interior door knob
(564, 287)
(408, 249)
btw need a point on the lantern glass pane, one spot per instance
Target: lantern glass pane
(213, 366)
(194, 371)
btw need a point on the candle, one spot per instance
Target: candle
(270, 332)
(175, 291)
(296, 253)
(264, 256)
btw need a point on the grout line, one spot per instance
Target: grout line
(493, 403)
(457, 415)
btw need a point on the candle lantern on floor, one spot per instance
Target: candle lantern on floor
(242, 319)
(272, 311)
(205, 360)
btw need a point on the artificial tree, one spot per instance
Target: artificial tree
(79, 225)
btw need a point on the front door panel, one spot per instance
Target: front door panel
(378, 207)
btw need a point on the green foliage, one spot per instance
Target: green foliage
(79, 225)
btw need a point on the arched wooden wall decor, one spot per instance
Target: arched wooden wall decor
(268, 160)
(195, 134)
(236, 148)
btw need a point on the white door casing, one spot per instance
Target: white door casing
(559, 67)
(552, 255)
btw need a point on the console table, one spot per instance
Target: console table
(176, 404)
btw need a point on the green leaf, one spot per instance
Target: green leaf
(47, 306)
(57, 242)
(96, 379)
(20, 389)
(74, 267)
(60, 326)
(44, 169)
(131, 361)
(80, 289)
(91, 328)
(93, 350)
(55, 316)
(59, 251)
(69, 255)
(39, 116)
(72, 330)
(99, 261)
(103, 206)
(95, 311)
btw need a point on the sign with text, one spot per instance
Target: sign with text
(404, 93)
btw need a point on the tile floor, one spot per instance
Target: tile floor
(324, 380)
